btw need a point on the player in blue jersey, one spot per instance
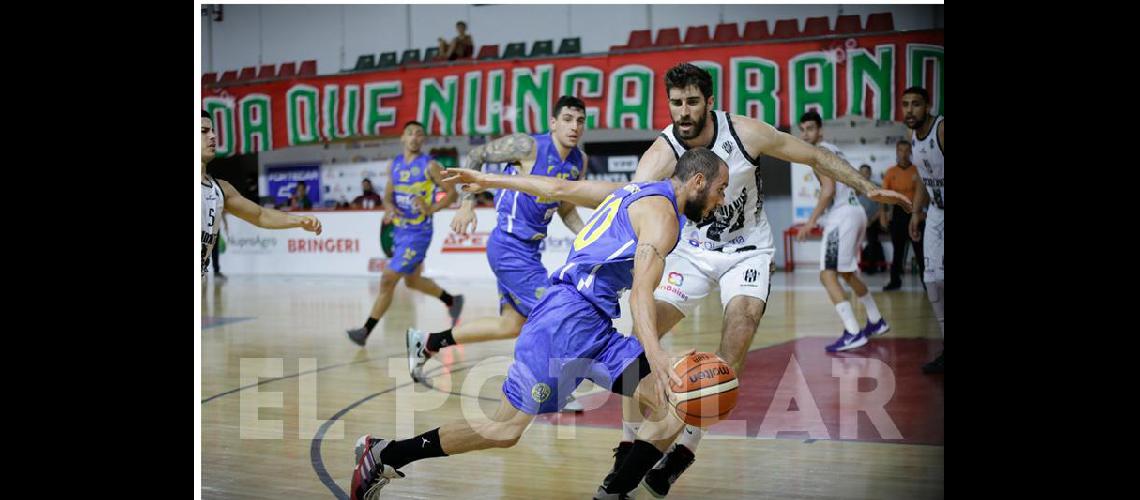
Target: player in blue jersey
(521, 224)
(569, 335)
(408, 198)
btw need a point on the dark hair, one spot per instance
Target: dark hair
(866, 166)
(366, 180)
(413, 122)
(685, 74)
(812, 116)
(568, 101)
(920, 91)
(902, 142)
(697, 160)
(461, 23)
(206, 115)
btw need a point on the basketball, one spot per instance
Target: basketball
(708, 389)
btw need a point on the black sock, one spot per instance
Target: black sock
(437, 341)
(642, 457)
(446, 297)
(370, 324)
(401, 453)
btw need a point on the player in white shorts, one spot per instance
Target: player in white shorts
(843, 229)
(732, 250)
(928, 145)
(218, 196)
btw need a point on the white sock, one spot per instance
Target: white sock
(848, 316)
(629, 431)
(691, 437)
(873, 314)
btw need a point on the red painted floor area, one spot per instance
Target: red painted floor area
(796, 390)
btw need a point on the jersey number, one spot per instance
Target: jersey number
(606, 210)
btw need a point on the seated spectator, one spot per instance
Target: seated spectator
(460, 47)
(300, 199)
(369, 199)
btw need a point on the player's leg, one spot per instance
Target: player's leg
(835, 257)
(388, 280)
(934, 277)
(745, 286)
(683, 286)
(378, 460)
(418, 245)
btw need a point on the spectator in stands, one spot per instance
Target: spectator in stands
(873, 259)
(300, 199)
(902, 178)
(369, 199)
(460, 47)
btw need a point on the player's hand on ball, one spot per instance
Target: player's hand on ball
(661, 365)
(311, 224)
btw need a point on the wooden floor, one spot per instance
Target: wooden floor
(279, 343)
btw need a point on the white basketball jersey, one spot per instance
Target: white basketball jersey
(927, 155)
(741, 221)
(845, 196)
(213, 202)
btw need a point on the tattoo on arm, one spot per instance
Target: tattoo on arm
(649, 247)
(835, 167)
(514, 147)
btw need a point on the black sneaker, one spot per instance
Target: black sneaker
(894, 285)
(936, 366)
(661, 477)
(619, 456)
(358, 336)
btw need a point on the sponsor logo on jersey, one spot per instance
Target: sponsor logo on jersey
(540, 393)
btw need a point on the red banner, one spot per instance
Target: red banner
(774, 82)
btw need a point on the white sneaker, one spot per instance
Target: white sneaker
(417, 353)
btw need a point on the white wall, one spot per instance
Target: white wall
(335, 35)
(372, 29)
(235, 40)
(683, 16)
(301, 32)
(601, 26)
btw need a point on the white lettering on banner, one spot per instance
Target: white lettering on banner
(622, 163)
(293, 175)
(611, 177)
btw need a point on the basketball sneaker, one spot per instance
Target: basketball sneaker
(370, 475)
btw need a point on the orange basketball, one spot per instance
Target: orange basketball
(708, 389)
